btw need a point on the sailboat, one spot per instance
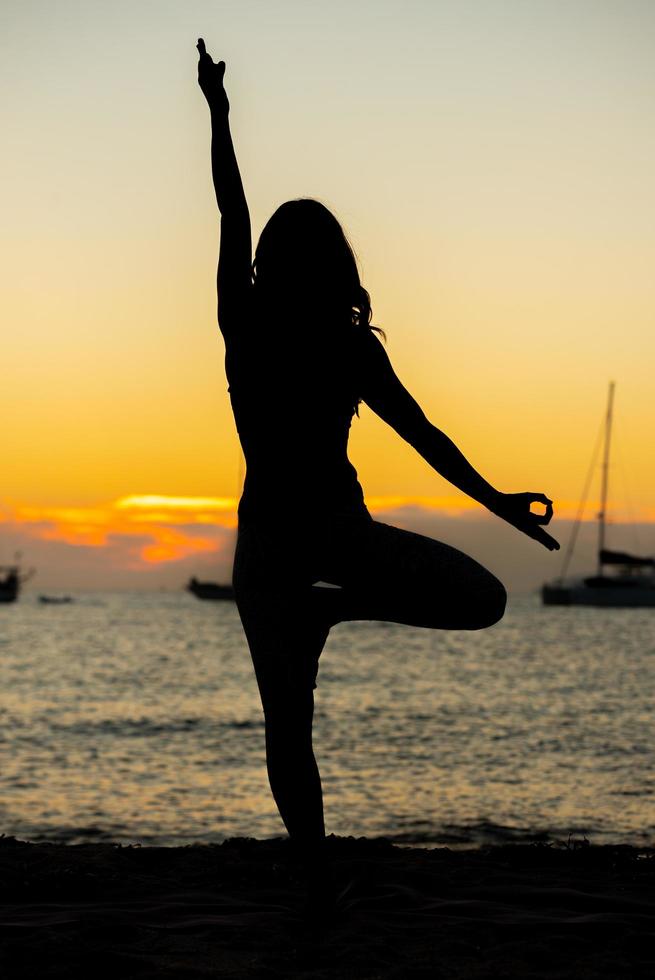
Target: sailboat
(621, 579)
(9, 583)
(11, 579)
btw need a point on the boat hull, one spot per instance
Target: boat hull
(210, 590)
(637, 597)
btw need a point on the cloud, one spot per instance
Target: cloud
(152, 541)
(169, 526)
(156, 508)
(125, 543)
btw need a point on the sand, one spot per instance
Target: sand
(238, 909)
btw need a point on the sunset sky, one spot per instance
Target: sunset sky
(491, 161)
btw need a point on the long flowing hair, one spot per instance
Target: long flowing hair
(305, 265)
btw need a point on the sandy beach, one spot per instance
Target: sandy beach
(237, 910)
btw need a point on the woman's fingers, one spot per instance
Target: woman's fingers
(546, 517)
(541, 498)
(517, 512)
(535, 531)
(206, 60)
(545, 539)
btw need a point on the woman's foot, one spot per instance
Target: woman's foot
(327, 606)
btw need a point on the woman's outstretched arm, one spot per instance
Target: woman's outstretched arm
(387, 396)
(235, 253)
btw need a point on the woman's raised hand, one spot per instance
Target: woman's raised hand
(515, 509)
(210, 79)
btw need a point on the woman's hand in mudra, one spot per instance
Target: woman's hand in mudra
(210, 79)
(515, 509)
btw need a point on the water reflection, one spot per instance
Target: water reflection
(132, 717)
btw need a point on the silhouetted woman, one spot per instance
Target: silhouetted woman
(300, 355)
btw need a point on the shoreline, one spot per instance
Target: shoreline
(238, 909)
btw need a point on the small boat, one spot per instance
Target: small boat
(55, 600)
(9, 583)
(209, 590)
(630, 581)
(11, 579)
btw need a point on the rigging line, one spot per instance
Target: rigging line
(583, 501)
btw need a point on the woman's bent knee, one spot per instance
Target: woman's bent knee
(491, 607)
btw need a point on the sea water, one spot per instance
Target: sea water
(136, 718)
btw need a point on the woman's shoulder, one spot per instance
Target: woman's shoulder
(370, 347)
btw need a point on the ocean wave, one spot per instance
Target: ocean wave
(147, 727)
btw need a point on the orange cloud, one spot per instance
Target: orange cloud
(171, 545)
(164, 529)
(159, 509)
(170, 528)
(89, 526)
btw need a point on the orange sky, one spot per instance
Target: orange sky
(492, 163)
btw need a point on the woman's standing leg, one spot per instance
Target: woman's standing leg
(384, 573)
(285, 643)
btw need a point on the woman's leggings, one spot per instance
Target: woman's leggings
(383, 573)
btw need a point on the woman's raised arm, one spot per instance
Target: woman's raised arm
(235, 254)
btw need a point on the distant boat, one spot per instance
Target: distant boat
(209, 590)
(631, 581)
(11, 579)
(55, 600)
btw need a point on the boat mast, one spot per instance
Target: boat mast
(606, 461)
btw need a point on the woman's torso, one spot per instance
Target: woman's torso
(293, 395)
